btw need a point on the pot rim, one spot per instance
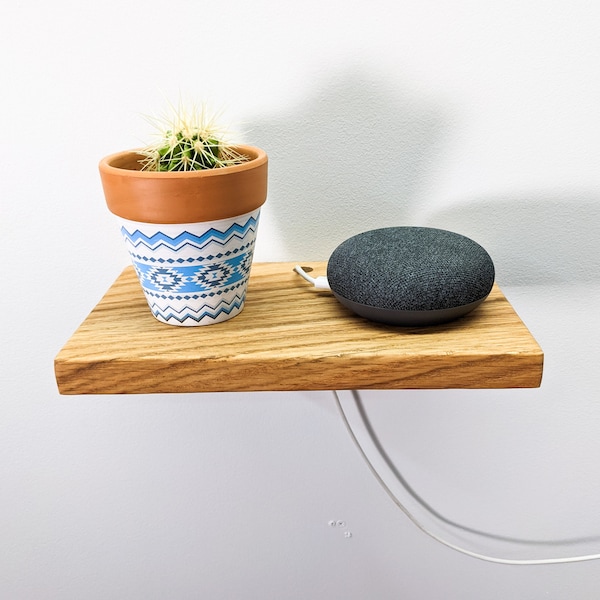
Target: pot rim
(257, 157)
(183, 196)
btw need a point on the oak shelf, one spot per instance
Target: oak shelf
(291, 337)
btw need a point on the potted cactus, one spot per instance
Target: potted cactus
(188, 207)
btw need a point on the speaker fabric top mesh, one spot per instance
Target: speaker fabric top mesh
(411, 269)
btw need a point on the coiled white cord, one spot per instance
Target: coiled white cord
(419, 525)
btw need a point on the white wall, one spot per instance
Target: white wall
(477, 116)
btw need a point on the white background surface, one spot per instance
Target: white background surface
(480, 117)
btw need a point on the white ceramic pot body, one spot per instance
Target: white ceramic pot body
(193, 273)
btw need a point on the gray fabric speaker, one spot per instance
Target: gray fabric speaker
(410, 276)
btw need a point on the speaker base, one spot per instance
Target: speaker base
(408, 318)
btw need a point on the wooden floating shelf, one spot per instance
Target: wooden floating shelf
(291, 337)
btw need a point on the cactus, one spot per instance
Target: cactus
(189, 140)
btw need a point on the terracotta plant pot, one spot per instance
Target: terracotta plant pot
(190, 234)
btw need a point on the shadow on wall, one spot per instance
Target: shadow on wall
(354, 156)
(537, 239)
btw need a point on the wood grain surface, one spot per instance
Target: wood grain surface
(291, 336)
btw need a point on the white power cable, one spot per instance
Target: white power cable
(419, 525)
(319, 282)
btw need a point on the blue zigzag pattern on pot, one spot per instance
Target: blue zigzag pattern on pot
(186, 239)
(222, 311)
(190, 259)
(195, 273)
(205, 296)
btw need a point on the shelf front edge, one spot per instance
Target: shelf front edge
(334, 373)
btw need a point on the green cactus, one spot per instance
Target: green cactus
(189, 141)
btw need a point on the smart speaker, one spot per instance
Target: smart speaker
(410, 276)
